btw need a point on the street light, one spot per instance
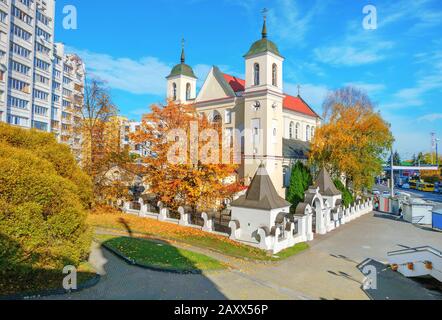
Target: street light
(437, 154)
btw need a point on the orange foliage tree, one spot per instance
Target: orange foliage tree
(353, 143)
(185, 165)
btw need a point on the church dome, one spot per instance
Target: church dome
(182, 68)
(263, 45)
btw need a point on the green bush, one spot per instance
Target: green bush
(44, 196)
(300, 181)
(347, 197)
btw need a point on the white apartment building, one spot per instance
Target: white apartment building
(41, 87)
(138, 149)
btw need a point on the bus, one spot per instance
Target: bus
(427, 187)
(413, 184)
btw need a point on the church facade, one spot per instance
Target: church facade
(275, 127)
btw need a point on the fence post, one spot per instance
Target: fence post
(208, 222)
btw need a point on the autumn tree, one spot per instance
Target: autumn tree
(101, 128)
(185, 165)
(354, 141)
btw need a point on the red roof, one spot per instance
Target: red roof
(296, 104)
(238, 85)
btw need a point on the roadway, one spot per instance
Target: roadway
(429, 196)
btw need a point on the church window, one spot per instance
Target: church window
(256, 74)
(228, 116)
(307, 133)
(313, 132)
(275, 75)
(174, 91)
(298, 127)
(216, 117)
(291, 127)
(188, 91)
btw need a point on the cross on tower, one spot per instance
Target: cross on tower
(264, 13)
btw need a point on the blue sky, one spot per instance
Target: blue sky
(133, 44)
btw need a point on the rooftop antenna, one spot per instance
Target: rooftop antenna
(299, 90)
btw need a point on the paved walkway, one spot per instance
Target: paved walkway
(326, 271)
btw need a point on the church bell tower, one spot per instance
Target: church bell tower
(181, 82)
(263, 109)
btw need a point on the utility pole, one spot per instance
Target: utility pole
(392, 174)
(437, 153)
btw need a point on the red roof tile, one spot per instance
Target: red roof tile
(296, 104)
(238, 85)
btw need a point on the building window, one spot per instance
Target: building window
(256, 74)
(216, 117)
(297, 131)
(291, 127)
(228, 116)
(313, 133)
(307, 133)
(174, 91)
(188, 87)
(275, 75)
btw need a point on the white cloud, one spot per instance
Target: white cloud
(353, 52)
(143, 76)
(291, 23)
(431, 117)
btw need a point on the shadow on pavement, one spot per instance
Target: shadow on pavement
(123, 281)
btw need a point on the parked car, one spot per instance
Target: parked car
(376, 192)
(386, 193)
(405, 186)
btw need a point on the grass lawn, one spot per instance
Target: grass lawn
(167, 231)
(37, 281)
(153, 254)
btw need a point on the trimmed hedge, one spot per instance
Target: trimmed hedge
(44, 197)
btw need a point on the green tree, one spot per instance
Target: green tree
(347, 197)
(396, 159)
(300, 180)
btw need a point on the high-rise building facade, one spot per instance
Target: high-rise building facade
(41, 87)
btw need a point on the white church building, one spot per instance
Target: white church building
(276, 127)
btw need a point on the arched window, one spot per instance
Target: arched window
(174, 91)
(307, 133)
(216, 117)
(275, 75)
(256, 74)
(291, 127)
(188, 87)
(313, 133)
(298, 128)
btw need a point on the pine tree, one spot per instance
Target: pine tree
(300, 180)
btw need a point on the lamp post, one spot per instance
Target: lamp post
(437, 153)
(391, 174)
